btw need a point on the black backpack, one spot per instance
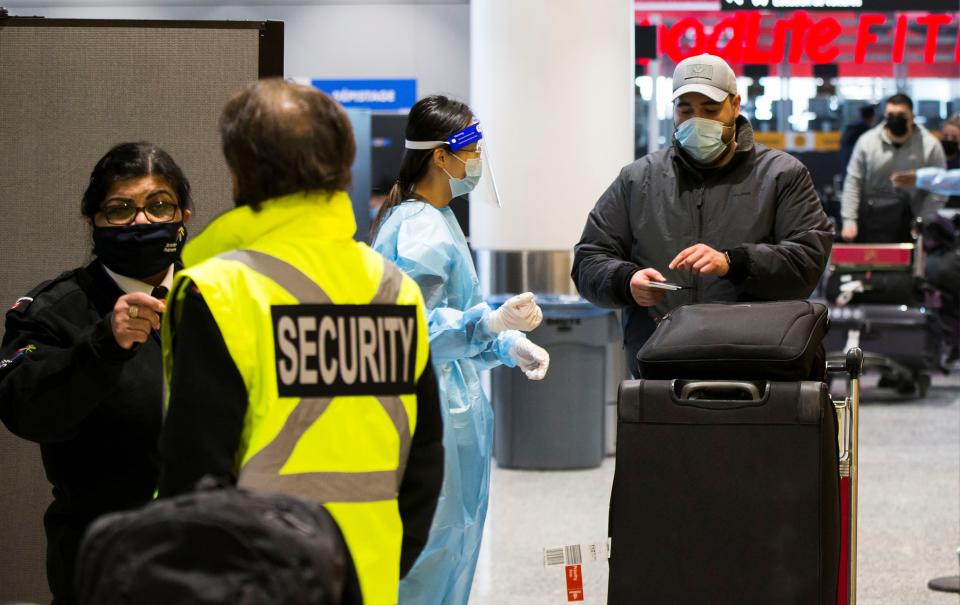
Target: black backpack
(218, 545)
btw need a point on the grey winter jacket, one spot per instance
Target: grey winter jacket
(761, 207)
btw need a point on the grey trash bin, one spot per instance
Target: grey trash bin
(559, 422)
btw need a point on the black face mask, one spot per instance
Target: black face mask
(950, 147)
(897, 125)
(139, 251)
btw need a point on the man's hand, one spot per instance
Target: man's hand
(643, 294)
(904, 180)
(134, 315)
(849, 233)
(702, 259)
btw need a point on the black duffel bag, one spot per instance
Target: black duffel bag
(738, 341)
(218, 545)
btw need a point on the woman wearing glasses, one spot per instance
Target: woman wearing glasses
(80, 368)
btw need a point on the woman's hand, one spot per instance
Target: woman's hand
(520, 312)
(133, 317)
(533, 360)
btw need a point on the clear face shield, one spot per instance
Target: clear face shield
(486, 187)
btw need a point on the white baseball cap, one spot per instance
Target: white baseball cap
(707, 74)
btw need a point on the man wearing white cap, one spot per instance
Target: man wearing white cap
(713, 217)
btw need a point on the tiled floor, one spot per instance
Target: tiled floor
(909, 511)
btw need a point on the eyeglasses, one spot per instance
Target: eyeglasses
(477, 152)
(125, 213)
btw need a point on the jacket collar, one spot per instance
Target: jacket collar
(103, 291)
(320, 216)
(131, 284)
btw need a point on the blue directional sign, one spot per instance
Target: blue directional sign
(377, 95)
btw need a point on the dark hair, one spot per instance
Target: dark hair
(867, 112)
(901, 99)
(432, 118)
(130, 161)
(281, 138)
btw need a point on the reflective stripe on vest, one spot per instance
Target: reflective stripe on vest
(262, 471)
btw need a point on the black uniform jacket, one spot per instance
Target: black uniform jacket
(94, 408)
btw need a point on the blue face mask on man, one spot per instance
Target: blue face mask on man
(469, 182)
(702, 138)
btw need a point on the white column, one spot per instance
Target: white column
(552, 84)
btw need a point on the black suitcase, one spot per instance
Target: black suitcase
(218, 546)
(874, 287)
(725, 493)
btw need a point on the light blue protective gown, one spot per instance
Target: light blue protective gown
(939, 180)
(429, 246)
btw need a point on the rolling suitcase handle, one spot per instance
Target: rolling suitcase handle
(848, 412)
(720, 388)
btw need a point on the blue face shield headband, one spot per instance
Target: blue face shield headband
(457, 141)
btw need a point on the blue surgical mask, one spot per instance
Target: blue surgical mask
(468, 183)
(702, 138)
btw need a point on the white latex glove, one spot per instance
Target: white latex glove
(533, 360)
(519, 313)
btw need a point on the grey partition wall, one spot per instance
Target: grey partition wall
(69, 90)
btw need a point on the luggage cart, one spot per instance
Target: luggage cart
(875, 294)
(848, 417)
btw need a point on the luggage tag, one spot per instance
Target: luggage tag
(585, 571)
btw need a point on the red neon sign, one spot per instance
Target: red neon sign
(814, 38)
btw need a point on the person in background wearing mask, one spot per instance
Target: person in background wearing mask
(853, 132)
(716, 213)
(874, 210)
(417, 230)
(80, 370)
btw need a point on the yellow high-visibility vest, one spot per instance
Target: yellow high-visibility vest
(330, 339)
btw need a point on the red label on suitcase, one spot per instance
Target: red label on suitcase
(574, 583)
(872, 255)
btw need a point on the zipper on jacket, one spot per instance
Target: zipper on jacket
(696, 277)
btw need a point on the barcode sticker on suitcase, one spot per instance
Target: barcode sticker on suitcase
(581, 569)
(574, 554)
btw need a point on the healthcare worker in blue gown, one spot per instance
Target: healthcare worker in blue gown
(417, 230)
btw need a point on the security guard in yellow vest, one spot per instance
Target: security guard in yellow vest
(297, 359)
